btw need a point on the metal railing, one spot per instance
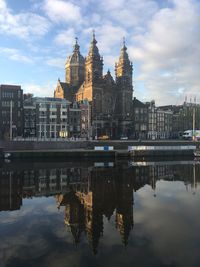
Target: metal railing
(35, 139)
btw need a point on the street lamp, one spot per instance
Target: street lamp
(110, 124)
(11, 107)
(96, 137)
(94, 125)
(88, 120)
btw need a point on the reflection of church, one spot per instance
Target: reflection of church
(110, 100)
(88, 193)
(107, 194)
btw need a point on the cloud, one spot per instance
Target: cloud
(128, 13)
(65, 38)
(15, 54)
(162, 39)
(22, 25)
(170, 46)
(62, 11)
(110, 36)
(56, 62)
(45, 90)
(109, 41)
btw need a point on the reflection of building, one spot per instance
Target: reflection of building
(106, 193)
(90, 194)
(124, 209)
(10, 191)
(11, 106)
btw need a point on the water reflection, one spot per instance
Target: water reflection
(87, 193)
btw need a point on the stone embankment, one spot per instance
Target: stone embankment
(108, 148)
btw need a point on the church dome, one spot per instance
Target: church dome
(76, 57)
(93, 50)
(108, 78)
(123, 54)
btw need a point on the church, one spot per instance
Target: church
(110, 99)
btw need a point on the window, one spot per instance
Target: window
(53, 105)
(42, 113)
(52, 120)
(42, 105)
(5, 104)
(7, 94)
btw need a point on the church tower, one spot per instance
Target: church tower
(93, 63)
(75, 67)
(123, 72)
(92, 89)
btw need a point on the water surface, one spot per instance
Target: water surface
(99, 214)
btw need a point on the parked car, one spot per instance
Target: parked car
(124, 138)
(103, 137)
(191, 134)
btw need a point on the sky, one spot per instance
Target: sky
(162, 37)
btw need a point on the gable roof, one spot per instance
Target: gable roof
(138, 104)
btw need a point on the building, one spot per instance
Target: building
(29, 117)
(74, 120)
(140, 119)
(85, 119)
(152, 129)
(164, 123)
(110, 99)
(11, 111)
(46, 117)
(185, 117)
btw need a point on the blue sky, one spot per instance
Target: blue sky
(162, 37)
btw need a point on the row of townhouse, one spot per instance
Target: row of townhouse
(22, 115)
(151, 122)
(54, 118)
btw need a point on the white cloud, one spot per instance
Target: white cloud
(110, 36)
(129, 13)
(109, 41)
(65, 38)
(56, 62)
(15, 54)
(45, 90)
(162, 38)
(171, 45)
(62, 11)
(22, 25)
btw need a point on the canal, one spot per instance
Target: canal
(99, 213)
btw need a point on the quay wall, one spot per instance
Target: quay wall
(86, 149)
(42, 145)
(64, 145)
